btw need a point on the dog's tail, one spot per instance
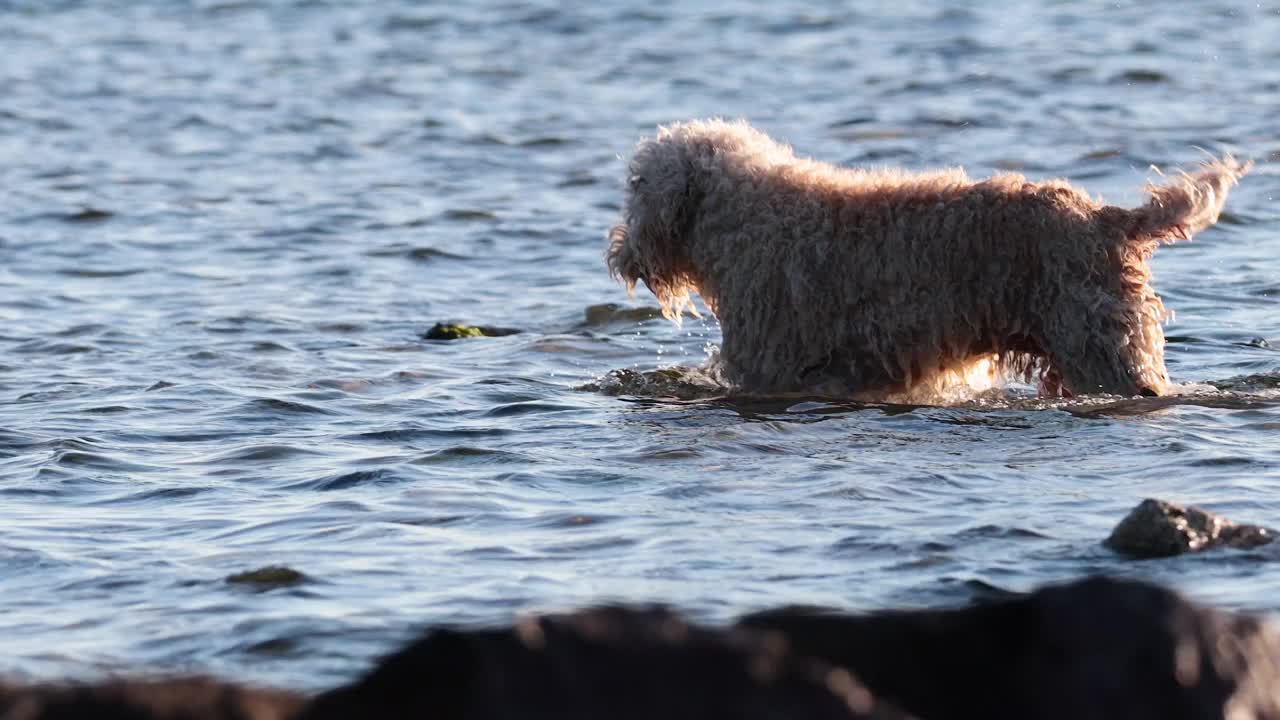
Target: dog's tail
(1187, 204)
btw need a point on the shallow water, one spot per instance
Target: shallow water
(225, 226)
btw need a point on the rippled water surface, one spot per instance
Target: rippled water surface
(225, 227)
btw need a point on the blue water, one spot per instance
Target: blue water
(224, 227)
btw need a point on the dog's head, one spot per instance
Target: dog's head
(652, 244)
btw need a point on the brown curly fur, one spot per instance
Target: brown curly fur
(885, 281)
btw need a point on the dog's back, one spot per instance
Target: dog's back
(1179, 208)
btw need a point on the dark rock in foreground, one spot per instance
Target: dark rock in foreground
(1156, 528)
(1097, 649)
(174, 699)
(610, 663)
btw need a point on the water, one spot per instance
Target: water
(225, 225)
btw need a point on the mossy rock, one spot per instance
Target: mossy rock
(452, 331)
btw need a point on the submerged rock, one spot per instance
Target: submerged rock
(608, 313)
(451, 331)
(89, 215)
(1156, 528)
(1248, 383)
(267, 578)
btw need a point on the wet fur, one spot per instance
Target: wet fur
(885, 281)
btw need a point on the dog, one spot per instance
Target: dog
(885, 282)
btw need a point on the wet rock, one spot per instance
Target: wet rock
(174, 699)
(451, 331)
(1098, 648)
(612, 663)
(670, 382)
(1156, 528)
(267, 578)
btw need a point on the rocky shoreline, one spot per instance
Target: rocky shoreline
(1095, 648)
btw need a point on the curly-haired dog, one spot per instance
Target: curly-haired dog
(885, 282)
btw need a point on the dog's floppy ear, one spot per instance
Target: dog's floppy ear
(662, 200)
(687, 208)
